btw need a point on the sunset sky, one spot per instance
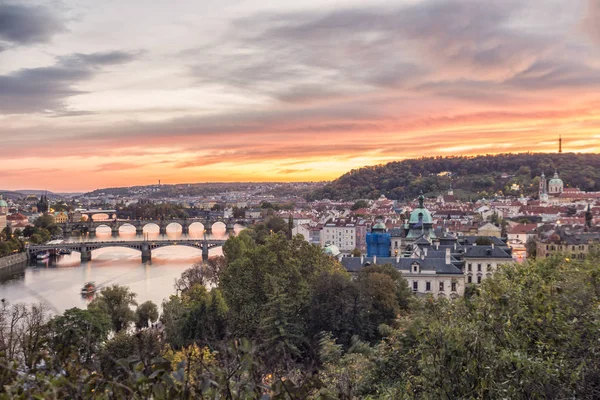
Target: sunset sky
(126, 92)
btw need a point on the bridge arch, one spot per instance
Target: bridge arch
(219, 225)
(196, 230)
(103, 229)
(151, 228)
(174, 227)
(99, 217)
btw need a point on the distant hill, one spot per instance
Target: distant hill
(470, 177)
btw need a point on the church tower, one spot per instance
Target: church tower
(543, 192)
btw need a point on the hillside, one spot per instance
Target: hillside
(470, 177)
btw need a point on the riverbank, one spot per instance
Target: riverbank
(9, 261)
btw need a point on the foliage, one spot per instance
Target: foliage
(312, 332)
(483, 241)
(116, 301)
(475, 177)
(358, 204)
(145, 312)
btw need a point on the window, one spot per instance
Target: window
(441, 286)
(469, 279)
(415, 286)
(479, 279)
(489, 267)
(478, 267)
(454, 286)
(470, 267)
(428, 286)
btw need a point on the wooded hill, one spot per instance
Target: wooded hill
(470, 177)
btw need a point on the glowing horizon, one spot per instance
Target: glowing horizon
(94, 96)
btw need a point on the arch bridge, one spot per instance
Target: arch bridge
(145, 247)
(139, 225)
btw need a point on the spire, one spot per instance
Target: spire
(588, 217)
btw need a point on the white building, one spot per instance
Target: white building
(341, 233)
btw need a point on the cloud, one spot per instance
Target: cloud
(45, 89)
(23, 24)
(591, 20)
(304, 57)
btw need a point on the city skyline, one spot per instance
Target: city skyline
(118, 94)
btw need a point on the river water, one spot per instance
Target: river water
(58, 281)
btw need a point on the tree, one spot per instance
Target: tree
(531, 247)
(356, 252)
(358, 204)
(483, 241)
(116, 301)
(246, 282)
(79, 332)
(145, 312)
(336, 307)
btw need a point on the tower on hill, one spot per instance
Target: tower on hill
(559, 144)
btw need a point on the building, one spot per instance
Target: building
(378, 241)
(482, 261)
(555, 186)
(312, 234)
(489, 229)
(575, 245)
(3, 213)
(341, 233)
(61, 217)
(420, 224)
(438, 277)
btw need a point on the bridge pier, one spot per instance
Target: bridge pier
(204, 251)
(139, 230)
(86, 255)
(146, 253)
(163, 230)
(185, 229)
(208, 229)
(229, 228)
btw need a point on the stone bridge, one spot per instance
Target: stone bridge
(145, 247)
(139, 225)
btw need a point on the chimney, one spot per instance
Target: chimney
(422, 256)
(454, 246)
(437, 246)
(492, 245)
(397, 259)
(425, 251)
(448, 256)
(374, 259)
(362, 259)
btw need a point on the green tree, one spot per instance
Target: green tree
(145, 312)
(358, 204)
(483, 241)
(245, 283)
(79, 333)
(116, 301)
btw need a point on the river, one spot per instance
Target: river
(58, 281)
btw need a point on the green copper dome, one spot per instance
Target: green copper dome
(380, 226)
(331, 250)
(421, 213)
(3, 202)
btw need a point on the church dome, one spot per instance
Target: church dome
(421, 213)
(3, 203)
(380, 226)
(331, 250)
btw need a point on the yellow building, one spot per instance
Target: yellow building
(61, 217)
